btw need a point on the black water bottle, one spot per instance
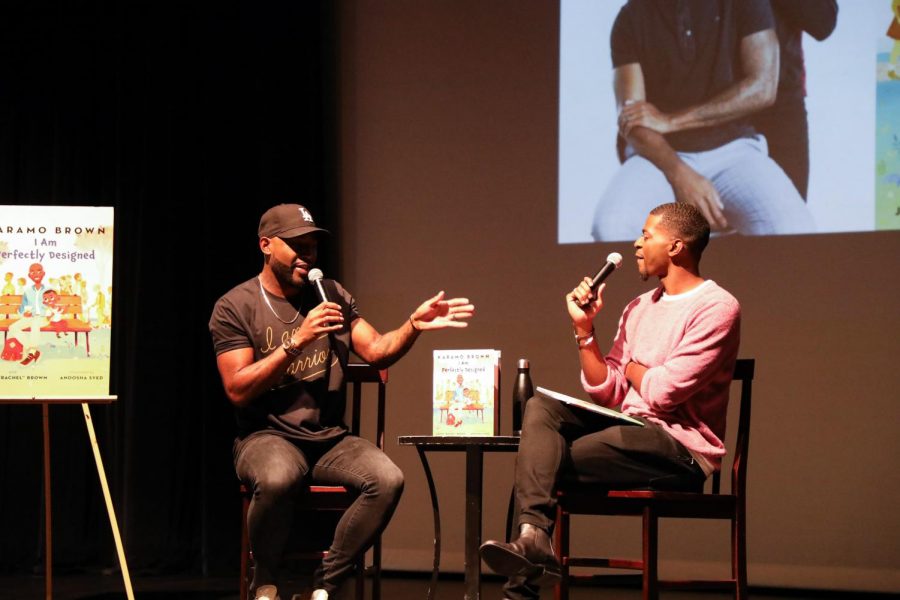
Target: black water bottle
(522, 391)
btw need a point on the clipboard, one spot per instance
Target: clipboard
(601, 410)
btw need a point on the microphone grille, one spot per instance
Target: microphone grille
(317, 275)
(614, 257)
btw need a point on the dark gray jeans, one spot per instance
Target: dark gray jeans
(561, 443)
(276, 470)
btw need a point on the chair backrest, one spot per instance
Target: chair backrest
(355, 375)
(743, 373)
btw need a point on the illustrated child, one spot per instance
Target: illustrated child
(54, 312)
(893, 32)
(99, 305)
(9, 288)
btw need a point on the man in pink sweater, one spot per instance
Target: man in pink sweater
(670, 367)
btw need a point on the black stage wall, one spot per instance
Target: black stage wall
(190, 121)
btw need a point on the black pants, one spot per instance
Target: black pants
(276, 469)
(561, 443)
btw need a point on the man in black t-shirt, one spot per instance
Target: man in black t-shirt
(280, 351)
(686, 77)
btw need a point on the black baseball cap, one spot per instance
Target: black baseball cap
(287, 221)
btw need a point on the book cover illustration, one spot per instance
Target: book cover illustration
(56, 266)
(466, 390)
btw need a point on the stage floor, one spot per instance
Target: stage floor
(395, 586)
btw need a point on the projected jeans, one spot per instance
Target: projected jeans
(276, 469)
(759, 198)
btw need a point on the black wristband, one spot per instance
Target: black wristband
(291, 349)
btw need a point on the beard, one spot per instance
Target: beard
(642, 270)
(286, 275)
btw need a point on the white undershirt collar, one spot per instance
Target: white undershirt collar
(676, 297)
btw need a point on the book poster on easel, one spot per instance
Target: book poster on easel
(56, 289)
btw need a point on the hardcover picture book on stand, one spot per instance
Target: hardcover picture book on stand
(466, 392)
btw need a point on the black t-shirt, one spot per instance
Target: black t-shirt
(689, 51)
(301, 406)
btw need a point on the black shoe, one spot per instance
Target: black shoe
(530, 556)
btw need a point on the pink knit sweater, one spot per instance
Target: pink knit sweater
(689, 342)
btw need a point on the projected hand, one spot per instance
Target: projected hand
(640, 113)
(692, 188)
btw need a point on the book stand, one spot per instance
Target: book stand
(85, 401)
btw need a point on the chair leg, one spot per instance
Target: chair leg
(245, 551)
(376, 570)
(361, 578)
(561, 533)
(739, 555)
(651, 548)
(510, 513)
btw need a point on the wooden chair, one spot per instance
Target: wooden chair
(651, 505)
(331, 498)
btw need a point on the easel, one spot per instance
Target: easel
(45, 403)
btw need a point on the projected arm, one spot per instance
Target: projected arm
(689, 186)
(818, 18)
(753, 92)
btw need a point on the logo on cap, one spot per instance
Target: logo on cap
(306, 216)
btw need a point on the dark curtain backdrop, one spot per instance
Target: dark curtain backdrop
(190, 120)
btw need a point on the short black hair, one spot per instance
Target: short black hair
(686, 222)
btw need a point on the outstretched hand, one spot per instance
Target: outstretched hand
(437, 313)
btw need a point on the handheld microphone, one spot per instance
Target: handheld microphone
(315, 277)
(612, 263)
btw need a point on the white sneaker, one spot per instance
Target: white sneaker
(267, 592)
(319, 595)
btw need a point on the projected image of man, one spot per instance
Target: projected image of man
(687, 76)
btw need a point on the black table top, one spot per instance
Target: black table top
(497, 443)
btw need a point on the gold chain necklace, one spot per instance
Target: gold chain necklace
(265, 297)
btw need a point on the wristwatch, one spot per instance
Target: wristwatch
(292, 348)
